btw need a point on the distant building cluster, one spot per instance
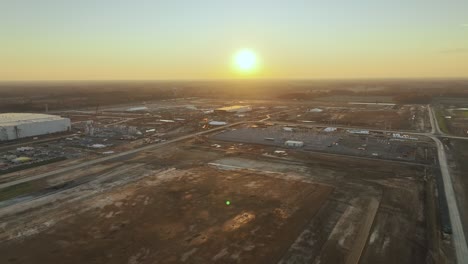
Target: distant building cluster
(234, 109)
(22, 125)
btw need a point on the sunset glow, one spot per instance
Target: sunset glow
(245, 61)
(151, 40)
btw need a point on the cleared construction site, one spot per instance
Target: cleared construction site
(191, 192)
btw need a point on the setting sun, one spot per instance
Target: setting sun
(245, 61)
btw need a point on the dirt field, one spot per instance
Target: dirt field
(370, 115)
(168, 205)
(181, 219)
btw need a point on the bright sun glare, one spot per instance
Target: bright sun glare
(245, 60)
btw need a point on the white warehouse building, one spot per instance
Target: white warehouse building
(21, 125)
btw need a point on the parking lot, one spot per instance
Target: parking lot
(339, 141)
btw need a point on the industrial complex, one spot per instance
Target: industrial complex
(196, 181)
(234, 132)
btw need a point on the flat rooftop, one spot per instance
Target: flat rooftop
(8, 119)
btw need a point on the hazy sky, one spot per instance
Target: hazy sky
(195, 39)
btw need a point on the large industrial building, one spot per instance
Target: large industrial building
(234, 109)
(21, 125)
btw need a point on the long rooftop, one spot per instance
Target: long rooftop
(8, 119)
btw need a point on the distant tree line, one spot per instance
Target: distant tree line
(22, 97)
(413, 98)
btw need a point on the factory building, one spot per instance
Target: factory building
(22, 125)
(234, 109)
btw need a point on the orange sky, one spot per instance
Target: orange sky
(85, 40)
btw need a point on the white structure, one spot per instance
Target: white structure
(234, 109)
(403, 136)
(330, 129)
(137, 109)
(98, 146)
(21, 125)
(357, 131)
(23, 149)
(288, 129)
(217, 123)
(315, 110)
(293, 143)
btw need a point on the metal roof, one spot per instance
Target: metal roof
(13, 119)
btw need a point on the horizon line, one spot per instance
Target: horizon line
(239, 79)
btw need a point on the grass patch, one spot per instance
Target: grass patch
(442, 122)
(463, 114)
(15, 191)
(31, 165)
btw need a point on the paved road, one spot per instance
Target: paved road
(435, 129)
(458, 235)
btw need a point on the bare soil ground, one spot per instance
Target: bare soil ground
(168, 205)
(182, 219)
(383, 119)
(397, 117)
